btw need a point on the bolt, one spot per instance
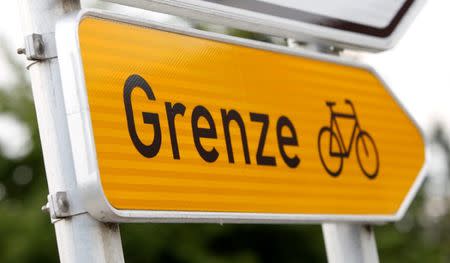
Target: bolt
(38, 45)
(62, 203)
(21, 51)
(334, 50)
(45, 208)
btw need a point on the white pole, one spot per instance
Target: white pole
(350, 243)
(80, 238)
(344, 242)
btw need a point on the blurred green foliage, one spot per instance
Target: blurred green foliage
(26, 234)
(220, 244)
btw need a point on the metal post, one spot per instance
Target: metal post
(344, 242)
(80, 237)
(350, 243)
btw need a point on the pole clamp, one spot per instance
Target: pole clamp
(316, 47)
(59, 207)
(39, 47)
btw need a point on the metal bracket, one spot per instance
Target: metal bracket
(59, 207)
(316, 47)
(39, 47)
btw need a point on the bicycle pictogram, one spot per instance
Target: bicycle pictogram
(329, 136)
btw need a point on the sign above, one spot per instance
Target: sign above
(181, 125)
(361, 24)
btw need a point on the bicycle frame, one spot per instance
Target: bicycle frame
(333, 123)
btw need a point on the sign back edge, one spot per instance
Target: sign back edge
(267, 24)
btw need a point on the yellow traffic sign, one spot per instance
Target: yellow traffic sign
(182, 125)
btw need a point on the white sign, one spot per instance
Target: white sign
(372, 13)
(361, 24)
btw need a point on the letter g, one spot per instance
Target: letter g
(149, 151)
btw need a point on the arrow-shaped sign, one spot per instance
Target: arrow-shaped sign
(182, 125)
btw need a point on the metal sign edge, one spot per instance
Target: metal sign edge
(84, 153)
(267, 24)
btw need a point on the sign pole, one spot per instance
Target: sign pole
(344, 242)
(80, 237)
(350, 243)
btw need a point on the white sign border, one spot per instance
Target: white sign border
(272, 25)
(84, 151)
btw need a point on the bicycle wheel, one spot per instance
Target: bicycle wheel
(367, 155)
(332, 164)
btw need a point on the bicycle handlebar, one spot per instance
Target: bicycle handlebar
(347, 101)
(350, 103)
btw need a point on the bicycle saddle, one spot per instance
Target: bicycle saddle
(330, 103)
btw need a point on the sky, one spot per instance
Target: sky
(417, 69)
